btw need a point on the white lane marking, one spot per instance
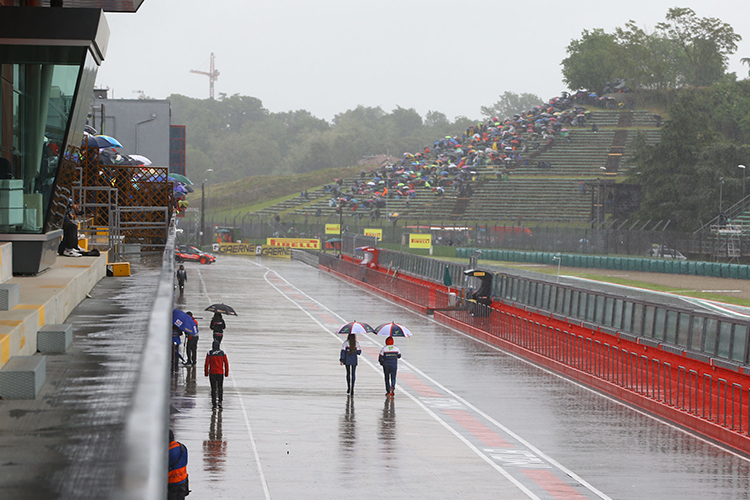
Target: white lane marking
(263, 481)
(436, 417)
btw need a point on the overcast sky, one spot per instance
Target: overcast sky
(328, 56)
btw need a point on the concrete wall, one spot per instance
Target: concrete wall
(141, 126)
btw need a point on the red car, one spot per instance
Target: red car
(186, 253)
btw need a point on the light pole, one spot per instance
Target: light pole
(743, 179)
(203, 209)
(557, 257)
(203, 213)
(721, 193)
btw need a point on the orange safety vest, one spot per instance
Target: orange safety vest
(177, 475)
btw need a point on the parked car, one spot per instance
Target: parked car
(185, 253)
(662, 252)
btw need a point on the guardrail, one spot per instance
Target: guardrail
(645, 264)
(142, 474)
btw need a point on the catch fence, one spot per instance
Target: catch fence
(625, 237)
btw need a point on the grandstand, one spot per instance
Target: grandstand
(556, 182)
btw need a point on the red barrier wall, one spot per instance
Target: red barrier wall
(702, 397)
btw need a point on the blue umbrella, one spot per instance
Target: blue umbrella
(184, 322)
(93, 141)
(111, 140)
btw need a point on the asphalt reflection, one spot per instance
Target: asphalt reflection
(472, 421)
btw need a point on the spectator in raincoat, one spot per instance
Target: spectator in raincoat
(217, 326)
(350, 349)
(388, 359)
(216, 368)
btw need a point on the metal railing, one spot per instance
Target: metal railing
(691, 385)
(142, 472)
(698, 392)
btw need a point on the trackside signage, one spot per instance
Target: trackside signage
(333, 228)
(377, 233)
(310, 244)
(420, 240)
(234, 248)
(278, 252)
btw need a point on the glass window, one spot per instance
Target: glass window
(712, 326)
(591, 307)
(637, 318)
(648, 326)
(617, 314)
(627, 316)
(725, 339)
(573, 309)
(660, 324)
(599, 311)
(532, 294)
(739, 343)
(582, 299)
(671, 327)
(696, 338)
(609, 304)
(46, 120)
(683, 332)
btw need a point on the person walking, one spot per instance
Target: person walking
(216, 368)
(191, 347)
(349, 351)
(388, 359)
(181, 278)
(177, 487)
(218, 326)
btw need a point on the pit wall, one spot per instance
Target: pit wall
(667, 266)
(700, 396)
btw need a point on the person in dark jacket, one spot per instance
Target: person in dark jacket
(69, 244)
(177, 488)
(218, 326)
(388, 359)
(191, 347)
(181, 278)
(216, 368)
(348, 357)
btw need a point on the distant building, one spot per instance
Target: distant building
(140, 125)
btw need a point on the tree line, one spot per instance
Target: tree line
(683, 50)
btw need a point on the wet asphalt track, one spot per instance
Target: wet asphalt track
(468, 420)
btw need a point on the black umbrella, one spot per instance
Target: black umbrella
(221, 308)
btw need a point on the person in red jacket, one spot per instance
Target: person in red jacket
(216, 368)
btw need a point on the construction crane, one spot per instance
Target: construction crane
(212, 75)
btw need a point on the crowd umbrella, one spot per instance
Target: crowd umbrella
(177, 177)
(142, 159)
(111, 140)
